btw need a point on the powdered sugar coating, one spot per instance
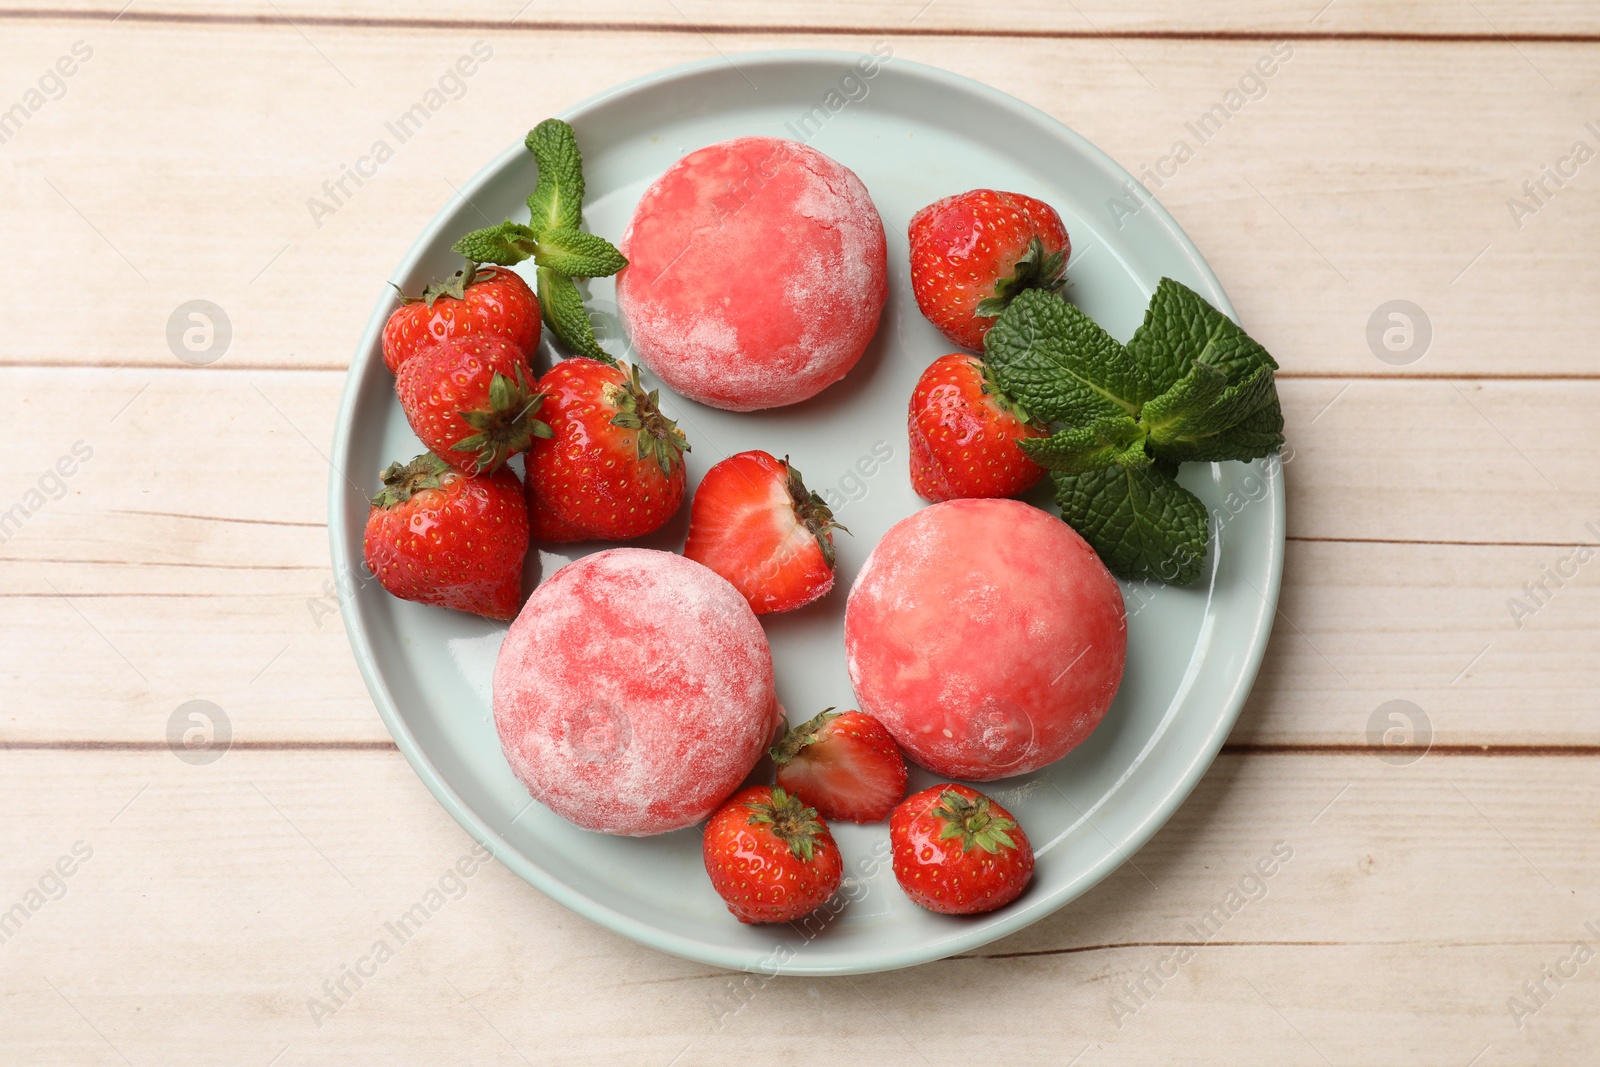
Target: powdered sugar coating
(757, 273)
(634, 692)
(987, 636)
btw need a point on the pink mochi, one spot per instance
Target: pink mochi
(987, 636)
(634, 692)
(756, 274)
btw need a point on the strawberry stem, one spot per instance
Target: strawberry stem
(402, 483)
(659, 437)
(790, 821)
(972, 821)
(812, 512)
(508, 427)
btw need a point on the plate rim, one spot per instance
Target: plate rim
(737, 959)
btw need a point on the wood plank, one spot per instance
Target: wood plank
(1486, 18)
(1367, 172)
(207, 568)
(177, 943)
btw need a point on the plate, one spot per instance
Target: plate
(913, 134)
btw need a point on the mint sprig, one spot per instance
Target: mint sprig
(1140, 520)
(563, 310)
(1189, 386)
(553, 238)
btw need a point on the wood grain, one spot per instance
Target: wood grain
(186, 556)
(1367, 172)
(182, 942)
(204, 573)
(1488, 18)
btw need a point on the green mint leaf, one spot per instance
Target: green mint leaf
(1116, 439)
(557, 199)
(562, 305)
(506, 244)
(578, 255)
(1142, 523)
(1180, 329)
(1259, 434)
(1194, 419)
(1059, 364)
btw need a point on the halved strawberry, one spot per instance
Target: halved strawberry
(754, 522)
(843, 764)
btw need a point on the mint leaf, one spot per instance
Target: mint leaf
(562, 305)
(1260, 434)
(1142, 523)
(557, 200)
(1115, 439)
(1180, 329)
(578, 255)
(506, 244)
(1059, 364)
(1194, 419)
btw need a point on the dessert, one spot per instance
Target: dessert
(986, 636)
(634, 692)
(756, 274)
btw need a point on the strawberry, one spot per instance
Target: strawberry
(958, 852)
(963, 432)
(754, 522)
(477, 301)
(971, 253)
(770, 857)
(546, 527)
(844, 765)
(614, 468)
(438, 536)
(468, 400)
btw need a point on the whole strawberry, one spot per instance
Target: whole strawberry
(964, 434)
(754, 522)
(468, 399)
(843, 764)
(769, 856)
(438, 536)
(614, 466)
(476, 301)
(971, 253)
(958, 852)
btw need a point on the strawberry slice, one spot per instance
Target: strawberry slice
(843, 764)
(754, 522)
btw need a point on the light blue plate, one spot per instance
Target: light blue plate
(913, 134)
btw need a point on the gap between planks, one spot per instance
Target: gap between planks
(344, 368)
(724, 29)
(1239, 749)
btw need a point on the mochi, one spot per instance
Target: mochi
(757, 269)
(987, 636)
(634, 692)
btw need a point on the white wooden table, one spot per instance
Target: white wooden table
(179, 551)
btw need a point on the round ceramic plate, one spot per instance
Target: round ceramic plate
(913, 134)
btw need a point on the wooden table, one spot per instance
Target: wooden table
(169, 545)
